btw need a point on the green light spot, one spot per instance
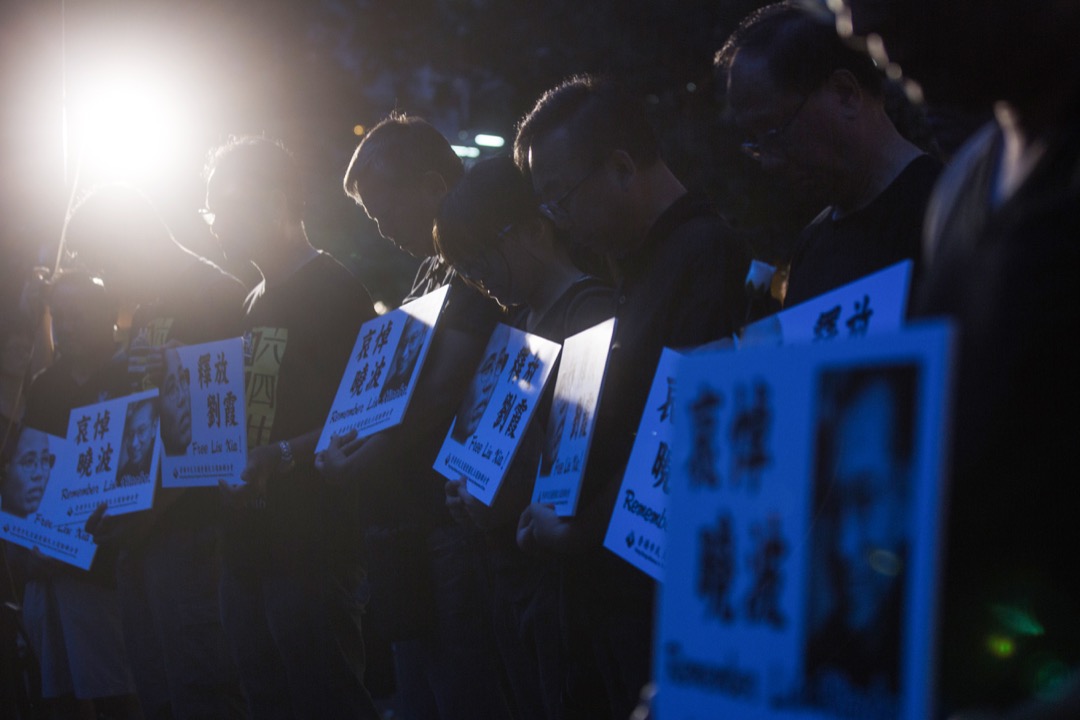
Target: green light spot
(1000, 646)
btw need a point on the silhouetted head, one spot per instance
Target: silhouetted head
(399, 173)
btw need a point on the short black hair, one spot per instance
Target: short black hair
(490, 196)
(600, 115)
(399, 149)
(263, 164)
(801, 48)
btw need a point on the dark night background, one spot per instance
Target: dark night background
(308, 72)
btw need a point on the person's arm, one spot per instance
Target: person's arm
(267, 461)
(446, 373)
(514, 493)
(540, 529)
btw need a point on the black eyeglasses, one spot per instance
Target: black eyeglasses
(770, 140)
(554, 210)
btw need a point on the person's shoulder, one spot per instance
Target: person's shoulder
(707, 244)
(694, 217)
(208, 290)
(693, 225)
(59, 373)
(588, 301)
(820, 226)
(910, 190)
(972, 160)
(327, 275)
(325, 266)
(205, 275)
(48, 390)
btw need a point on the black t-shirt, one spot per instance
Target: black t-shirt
(832, 252)
(1006, 275)
(683, 287)
(302, 332)
(202, 303)
(54, 393)
(467, 309)
(586, 303)
(411, 493)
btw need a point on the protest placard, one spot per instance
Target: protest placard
(496, 410)
(115, 445)
(637, 531)
(383, 369)
(805, 528)
(41, 465)
(873, 304)
(573, 416)
(203, 436)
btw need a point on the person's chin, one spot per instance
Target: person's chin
(33, 500)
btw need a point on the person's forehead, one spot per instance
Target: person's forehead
(32, 440)
(552, 160)
(752, 93)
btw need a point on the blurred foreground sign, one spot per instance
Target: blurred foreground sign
(802, 559)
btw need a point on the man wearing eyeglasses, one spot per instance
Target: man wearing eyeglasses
(595, 165)
(813, 114)
(292, 582)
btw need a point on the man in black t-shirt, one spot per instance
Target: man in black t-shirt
(595, 164)
(443, 650)
(813, 113)
(291, 588)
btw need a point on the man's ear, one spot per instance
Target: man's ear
(848, 92)
(624, 167)
(434, 185)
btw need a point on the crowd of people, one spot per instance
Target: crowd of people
(265, 599)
